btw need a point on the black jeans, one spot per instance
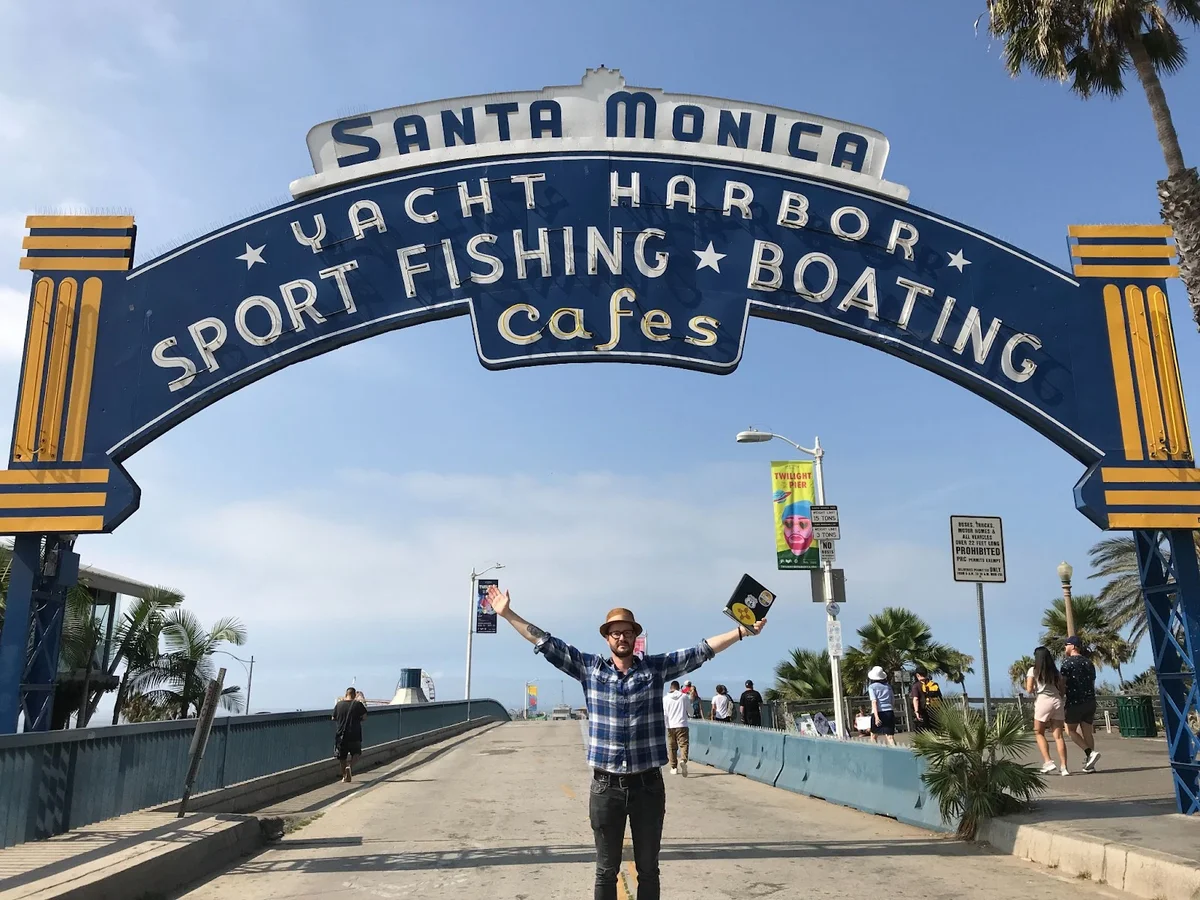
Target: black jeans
(642, 799)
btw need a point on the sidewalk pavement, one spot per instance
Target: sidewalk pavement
(125, 856)
(506, 817)
(1118, 825)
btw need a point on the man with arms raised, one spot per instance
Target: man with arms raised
(626, 734)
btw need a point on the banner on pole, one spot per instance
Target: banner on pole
(792, 494)
(531, 698)
(485, 616)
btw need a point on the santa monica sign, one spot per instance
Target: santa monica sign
(599, 223)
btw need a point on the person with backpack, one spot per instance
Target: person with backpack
(1049, 709)
(349, 714)
(926, 696)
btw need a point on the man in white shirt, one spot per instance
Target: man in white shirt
(675, 710)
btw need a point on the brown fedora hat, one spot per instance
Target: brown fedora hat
(620, 614)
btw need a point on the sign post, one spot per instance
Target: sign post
(829, 530)
(977, 546)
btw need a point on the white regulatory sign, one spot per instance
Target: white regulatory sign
(828, 551)
(977, 544)
(833, 631)
(824, 515)
(827, 532)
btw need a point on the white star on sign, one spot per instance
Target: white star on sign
(253, 255)
(709, 258)
(957, 260)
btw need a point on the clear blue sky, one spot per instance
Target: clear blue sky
(338, 506)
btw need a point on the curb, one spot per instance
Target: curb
(152, 869)
(1141, 872)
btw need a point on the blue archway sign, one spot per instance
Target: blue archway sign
(593, 223)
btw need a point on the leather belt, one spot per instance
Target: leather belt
(648, 776)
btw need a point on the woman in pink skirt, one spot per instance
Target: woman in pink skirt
(1049, 709)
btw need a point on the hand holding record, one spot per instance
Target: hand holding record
(748, 606)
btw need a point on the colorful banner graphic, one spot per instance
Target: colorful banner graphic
(639, 645)
(531, 699)
(792, 487)
(485, 616)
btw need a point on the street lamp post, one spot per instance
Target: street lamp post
(818, 454)
(471, 630)
(1065, 570)
(249, 675)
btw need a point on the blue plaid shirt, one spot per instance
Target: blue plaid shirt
(626, 727)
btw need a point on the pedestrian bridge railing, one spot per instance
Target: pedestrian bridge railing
(51, 782)
(869, 777)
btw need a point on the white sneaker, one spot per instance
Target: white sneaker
(1064, 771)
(1090, 764)
(1048, 767)
(683, 768)
(674, 771)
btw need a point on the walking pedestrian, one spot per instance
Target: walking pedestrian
(675, 706)
(626, 731)
(722, 705)
(1049, 710)
(751, 703)
(926, 696)
(883, 713)
(1080, 677)
(695, 710)
(349, 713)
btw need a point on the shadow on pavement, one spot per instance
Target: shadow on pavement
(1081, 809)
(331, 794)
(586, 853)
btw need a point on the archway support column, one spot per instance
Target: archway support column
(44, 567)
(1170, 577)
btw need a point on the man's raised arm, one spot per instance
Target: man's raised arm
(559, 654)
(681, 662)
(502, 605)
(729, 638)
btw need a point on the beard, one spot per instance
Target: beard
(623, 651)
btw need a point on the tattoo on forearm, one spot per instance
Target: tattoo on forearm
(535, 632)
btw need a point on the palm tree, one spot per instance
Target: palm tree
(1101, 639)
(957, 666)
(893, 639)
(134, 639)
(1121, 598)
(972, 769)
(179, 678)
(1017, 672)
(1094, 43)
(805, 675)
(1146, 683)
(137, 640)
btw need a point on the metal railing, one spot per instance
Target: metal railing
(781, 711)
(51, 782)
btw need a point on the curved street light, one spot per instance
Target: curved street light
(249, 675)
(471, 629)
(753, 436)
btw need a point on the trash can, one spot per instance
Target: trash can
(1135, 717)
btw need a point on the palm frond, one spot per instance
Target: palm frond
(971, 770)
(230, 630)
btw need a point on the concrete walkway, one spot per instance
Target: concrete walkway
(504, 817)
(1128, 799)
